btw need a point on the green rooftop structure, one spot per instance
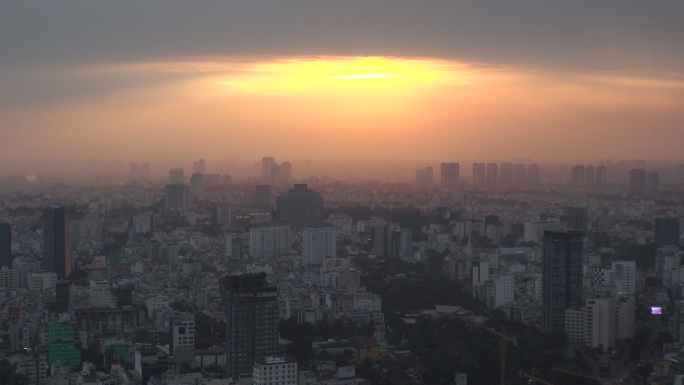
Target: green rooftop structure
(63, 344)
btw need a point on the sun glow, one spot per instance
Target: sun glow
(347, 74)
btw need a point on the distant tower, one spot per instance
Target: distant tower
(285, 172)
(533, 173)
(520, 173)
(196, 185)
(601, 176)
(492, 173)
(562, 286)
(637, 180)
(449, 173)
(319, 243)
(200, 166)
(506, 173)
(251, 322)
(577, 218)
(6, 245)
(300, 206)
(177, 198)
(578, 176)
(589, 176)
(56, 242)
(268, 165)
(425, 177)
(479, 173)
(176, 176)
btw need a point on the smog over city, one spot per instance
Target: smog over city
(341, 192)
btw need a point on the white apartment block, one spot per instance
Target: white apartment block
(269, 241)
(274, 371)
(604, 319)
(37, 282)
(100, 294)
(368, 301)
(504, 290)
(319, 243)
(183, 331)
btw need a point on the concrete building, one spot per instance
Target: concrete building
(300, 206)
(562, 258)
(101, 294)
(319, 243)
(272, 370)
(251, 322)
(534, 231)
(56, 241)
(269, 241)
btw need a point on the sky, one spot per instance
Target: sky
(381, 80)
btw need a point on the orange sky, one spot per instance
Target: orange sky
(339, 108)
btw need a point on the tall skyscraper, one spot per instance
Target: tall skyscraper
(578, 176)
(196, 185)
(410, 218)
(506, 173)
(251, 322)
(561, 277)
(533, 173)
(449, 173)
(601, 176)
(589, 176)
(479, 173)
(56, 242)
(492, 173)
(200, 166)
(520, 173)
(300, 206)
(176, 176)
(666, 231)
(177, 198)
(6, 245)
(268, 165)
(285, 172)
(425, 177)
(637, 180)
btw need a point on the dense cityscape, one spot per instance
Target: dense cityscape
(513, 273)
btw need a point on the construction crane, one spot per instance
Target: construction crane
(502, 348)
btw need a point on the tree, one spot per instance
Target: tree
(9, 376)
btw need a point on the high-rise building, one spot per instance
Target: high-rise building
(269, 241)
(601, 176)
(56, 242)
(479, 173)
(506, 173)
(533, 173)
(319, 243)
(492, 170)
(182, 327)
(176, 176)
(196, 186)
(300, 206)
(425, 177)
(380, 240)
(251, 322)
(224, 215)
(200, 166)
(5, 244)
(561, 277)
(577, 218)
(268, 165)
(589, 176)
(177, 198)
(578, 175)
(101, 294)
(520, 173)
(449, 173)
(637, 180)
(284, 172)
(666, 231)
(62, 296)
(620, 274)
(653, 181)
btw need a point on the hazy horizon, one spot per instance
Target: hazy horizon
(345, 82)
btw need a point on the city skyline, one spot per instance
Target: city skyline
(547, 82)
